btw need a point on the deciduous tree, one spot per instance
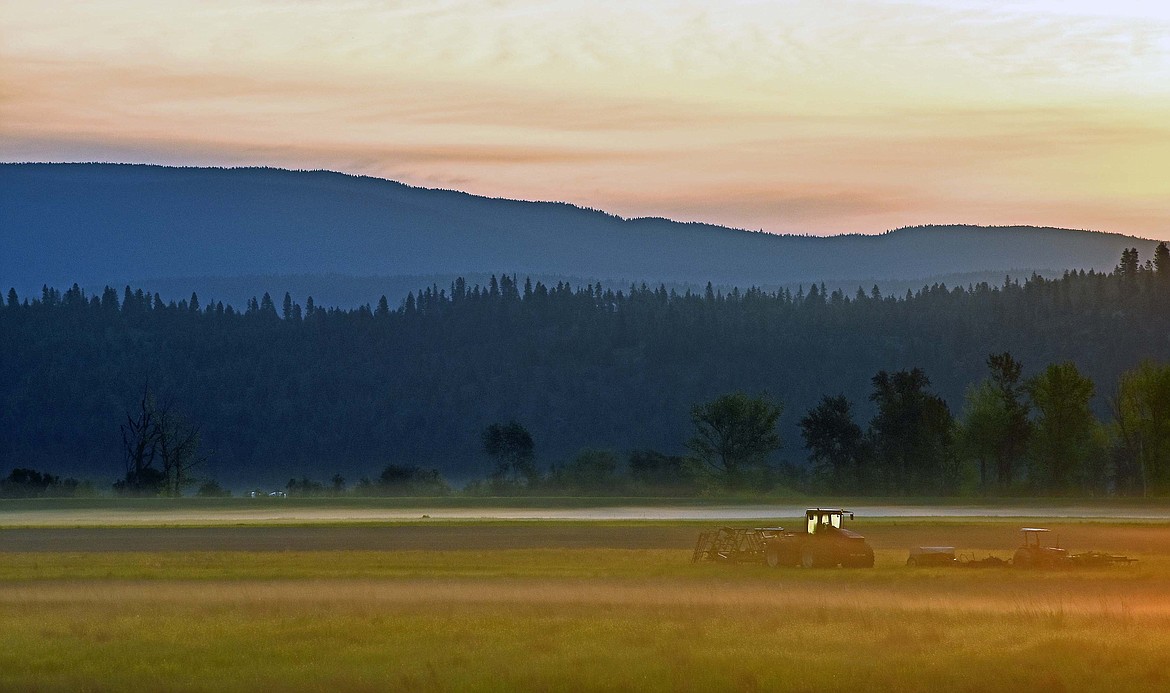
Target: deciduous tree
(912, 434)
(734, 435)
(511, 448)
(835, 443)
(1064, 429)
(1144, 417)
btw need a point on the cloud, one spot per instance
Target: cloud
(810, 115)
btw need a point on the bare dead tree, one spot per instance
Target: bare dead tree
(160, 447)
(178, 450)
(140, 447)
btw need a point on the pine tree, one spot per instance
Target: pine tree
(1162, 264)
(267, 307)
(1012, 439)
(1128, 267)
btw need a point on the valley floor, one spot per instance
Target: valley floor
(464, 604)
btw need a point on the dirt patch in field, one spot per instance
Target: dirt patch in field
(979, 538)
(345, 538)
(275, 513)
(1054, 597)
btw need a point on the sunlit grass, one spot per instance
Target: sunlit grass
(586, 618)
(355, 635)
(645, 564)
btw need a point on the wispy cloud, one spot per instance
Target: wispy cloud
(807, 115)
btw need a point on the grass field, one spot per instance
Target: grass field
(591, 605)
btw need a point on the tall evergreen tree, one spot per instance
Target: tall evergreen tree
(267, 308)
(1129, 265)
(1162, 264)
(1011, 439)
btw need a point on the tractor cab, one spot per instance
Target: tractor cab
(825, 520)
(1034, 554)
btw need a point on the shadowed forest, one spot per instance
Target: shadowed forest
(1043, 386)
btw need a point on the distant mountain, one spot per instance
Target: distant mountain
(207, 227)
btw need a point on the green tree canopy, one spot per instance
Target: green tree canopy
(912, 434)
(984, 420)
(409, 480)
(997, 426)
(656, 472)
(1144, 419)
(835, 443)
(1063, 438)
(592, 471)
(734, 435)
(511, 448)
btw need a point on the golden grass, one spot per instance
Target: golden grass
(563, 636)
(584, 619)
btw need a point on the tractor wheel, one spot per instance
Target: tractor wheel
(912, 562)
(808, 559)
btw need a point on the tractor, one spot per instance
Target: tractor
(824, 544)
(1032, 555)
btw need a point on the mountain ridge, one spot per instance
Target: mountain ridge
(120, 223)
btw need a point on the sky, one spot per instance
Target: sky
(806, 116)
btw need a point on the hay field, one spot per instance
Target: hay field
(613, 606)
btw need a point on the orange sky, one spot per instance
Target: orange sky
(809, 116)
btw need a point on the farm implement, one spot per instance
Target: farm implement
(824, 544)
(1032, 554)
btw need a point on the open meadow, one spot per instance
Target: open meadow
(467, 604)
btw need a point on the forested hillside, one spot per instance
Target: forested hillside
(285, 388)
(98, 224)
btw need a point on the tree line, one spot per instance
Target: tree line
(284, 390)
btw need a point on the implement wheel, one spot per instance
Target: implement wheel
(808, 559)
(772, 557)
